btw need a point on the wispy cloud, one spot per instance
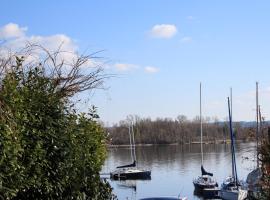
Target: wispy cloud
(165, 31)
(125, 66)
(190, 17)
(150, 69)
(244, 105)
(186, 39)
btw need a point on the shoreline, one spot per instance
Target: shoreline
(174, 144)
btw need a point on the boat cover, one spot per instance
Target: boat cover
(253, 179)
(130, 165)
(205, 172)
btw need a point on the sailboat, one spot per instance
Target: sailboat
(205, 181)
(254, 177)
(232, 188)
(130, 171)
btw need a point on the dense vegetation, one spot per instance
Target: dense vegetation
(180, 130)
(47, 151)
(264, 155)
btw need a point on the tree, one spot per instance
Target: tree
(182, 119)
(168, 131)
(47, 151)
(264, 156)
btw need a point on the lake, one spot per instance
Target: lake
(174, 167)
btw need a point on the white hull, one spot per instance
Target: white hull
(233, 194)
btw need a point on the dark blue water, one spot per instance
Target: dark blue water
(175, 166)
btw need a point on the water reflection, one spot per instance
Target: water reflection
(175, 166)
(127, 184)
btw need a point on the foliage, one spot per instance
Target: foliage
(264, 155)
(179, 130)
(47, 151)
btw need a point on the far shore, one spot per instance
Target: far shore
(189, 143)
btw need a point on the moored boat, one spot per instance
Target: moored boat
(130, 171)
(255, 176)
(232, 188)
(206, 179)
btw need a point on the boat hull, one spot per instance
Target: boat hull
(233, 195)
(211, 193)
(204, 182)
(142, 175)
(229, 195)
(200, 188)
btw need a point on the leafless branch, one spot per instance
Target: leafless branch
(70, 72)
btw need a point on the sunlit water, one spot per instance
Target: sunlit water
(174, 167)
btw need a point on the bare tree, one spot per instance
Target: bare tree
(71, 72)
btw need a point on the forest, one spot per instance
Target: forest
(180, 130)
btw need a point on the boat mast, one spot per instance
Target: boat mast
(130, 141)
(134, 146)
(231, 100)
(234, 172)
(230, 113)
(230, 123)
(201, 123)
(257, 123)
(260, 123)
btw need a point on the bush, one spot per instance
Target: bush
(47, 151)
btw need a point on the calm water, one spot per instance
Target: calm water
(174, 167)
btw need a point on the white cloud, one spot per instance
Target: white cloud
(12, 30)
(16, 38)
(54, 41)
(186, 39)
(163, 31)
(150, 69)
(125, 66)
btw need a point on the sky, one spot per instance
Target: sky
(159, 51)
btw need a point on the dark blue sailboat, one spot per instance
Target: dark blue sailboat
(130, 171)
(232, 188)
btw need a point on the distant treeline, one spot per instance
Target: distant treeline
(180, 130)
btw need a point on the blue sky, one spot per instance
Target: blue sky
(160, 51)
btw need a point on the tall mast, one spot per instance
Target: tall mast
(260, 123)
(201, 123)
(230, 118)
(130, 141)
(231, 100)
(134, 146)
(234, 172)
(257, 122)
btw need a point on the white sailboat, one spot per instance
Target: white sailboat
(205, 181)
(130, 171)
(232, 188)
(254, 177)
